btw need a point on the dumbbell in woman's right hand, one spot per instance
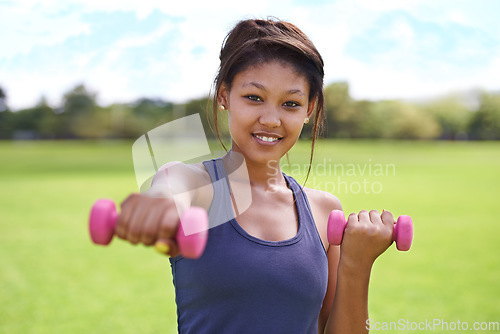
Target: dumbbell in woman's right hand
(402, 233)
(191, 236)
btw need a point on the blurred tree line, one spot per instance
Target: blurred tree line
(79, 116)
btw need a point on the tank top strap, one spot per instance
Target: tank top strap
(220, 210)
(304, 209)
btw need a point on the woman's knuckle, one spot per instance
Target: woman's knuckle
(130, 198)
(148, 234)
(168, 223)
(121, 231)
(133, 233)
(148, 240)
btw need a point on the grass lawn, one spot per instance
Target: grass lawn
(53, 280)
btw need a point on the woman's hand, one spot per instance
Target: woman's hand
(149, 220)
(367, 235)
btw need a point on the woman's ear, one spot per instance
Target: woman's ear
(311, 107)
(223, 96)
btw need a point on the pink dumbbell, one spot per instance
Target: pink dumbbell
(403, 230)
(103, 217)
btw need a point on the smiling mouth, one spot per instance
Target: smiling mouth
(267, 139)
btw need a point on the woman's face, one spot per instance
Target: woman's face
(267, 106)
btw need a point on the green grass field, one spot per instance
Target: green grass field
(53, 280)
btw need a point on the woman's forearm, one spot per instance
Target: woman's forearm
(349, 312)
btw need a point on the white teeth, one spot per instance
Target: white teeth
(267, 139)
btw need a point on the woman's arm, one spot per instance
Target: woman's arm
(333, 255)
(367, 236)
(153, 217)
(350, 306)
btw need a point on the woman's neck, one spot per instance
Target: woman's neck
(261, 175)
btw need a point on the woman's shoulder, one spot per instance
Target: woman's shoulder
(180, 179)
(321, 204)
(323, 199)
(174, 171)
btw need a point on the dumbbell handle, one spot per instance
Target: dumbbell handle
(402, 234)
(102, 222)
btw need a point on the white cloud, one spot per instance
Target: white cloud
(28, 26)
(137, 40)
(181, 73)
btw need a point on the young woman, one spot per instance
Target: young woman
(267, 268)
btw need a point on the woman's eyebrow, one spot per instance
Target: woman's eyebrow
(296, 91)
(263, 88)
(255, 84)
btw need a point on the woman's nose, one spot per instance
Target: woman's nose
(270, 117)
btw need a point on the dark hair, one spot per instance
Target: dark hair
(254, 42)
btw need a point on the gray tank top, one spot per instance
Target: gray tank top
(243, 284)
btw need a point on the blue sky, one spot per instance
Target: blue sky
(166, 49)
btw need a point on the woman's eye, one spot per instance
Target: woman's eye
(291, 104)
(254, 98)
